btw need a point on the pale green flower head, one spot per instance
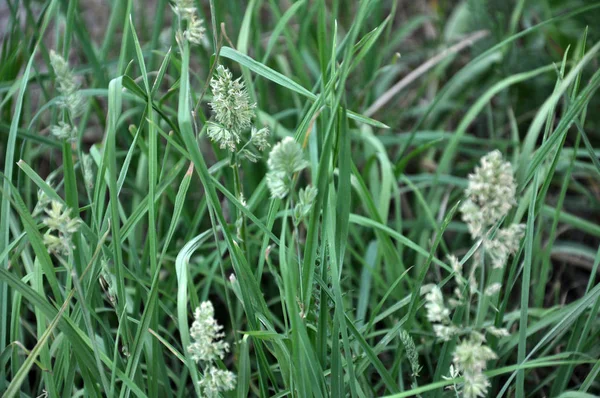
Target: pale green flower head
(285, 159)
(67, 85)
(505, 243)
(490, 194)
(61, 227)
(216, 380)
(445, 332)
(306, 198)
(195, 30)
(223, 136)
(64, 131)
(278, 183)
(43, 200)
(206, 334)
(231, 104)
(260, 138)
(88, 170)
(307, 195)
(498, 332)
(470, 357)
(185, 9)
(475, 385)
(434, 304)
(492, 289)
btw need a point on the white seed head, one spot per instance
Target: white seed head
(88, 170)
(67, 85)
(278, 183)
(426, 288)
(493, 289)
(455, 264)
(436, 310)
(498, 332)
(221, 135)
(260, 138)
(306, 198)
(216, 380)
(475, 385)
(490, 194)
(505, 243)
(231, 102)
(43, 200)
(206, 334)
(285, 159)
(445, 332)
(472, 283)
(470, 359)
(457, 267)
(58, 238)
(195, 30)
(185, 9)
(64, 131)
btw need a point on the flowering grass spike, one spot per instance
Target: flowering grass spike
(195, 30)
(185, 9)
(64, 131)
(206, 348)
(231, 103)
(68, 87)
(216, 380)
(206, 333)
(260, 138)
(61, 227)
(285, 159)
(490, 194)
(470, 359)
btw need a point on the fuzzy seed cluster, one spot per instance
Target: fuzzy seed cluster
(67, 85)
(186, 11)
(61, 225)
(207, 347)
(490, 195)
(285, 160)
(232, 108)
(233, 112)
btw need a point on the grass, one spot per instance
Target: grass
(393, 104)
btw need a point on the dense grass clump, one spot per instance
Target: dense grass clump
(295, 199)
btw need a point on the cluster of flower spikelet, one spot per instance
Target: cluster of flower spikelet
(58, 238)
(412, 355)
(490, 196)
(186, 11)
(206, 348)
(285, 160)
(470, 360)
(71, 99)
(67, 86)
(233, 112)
